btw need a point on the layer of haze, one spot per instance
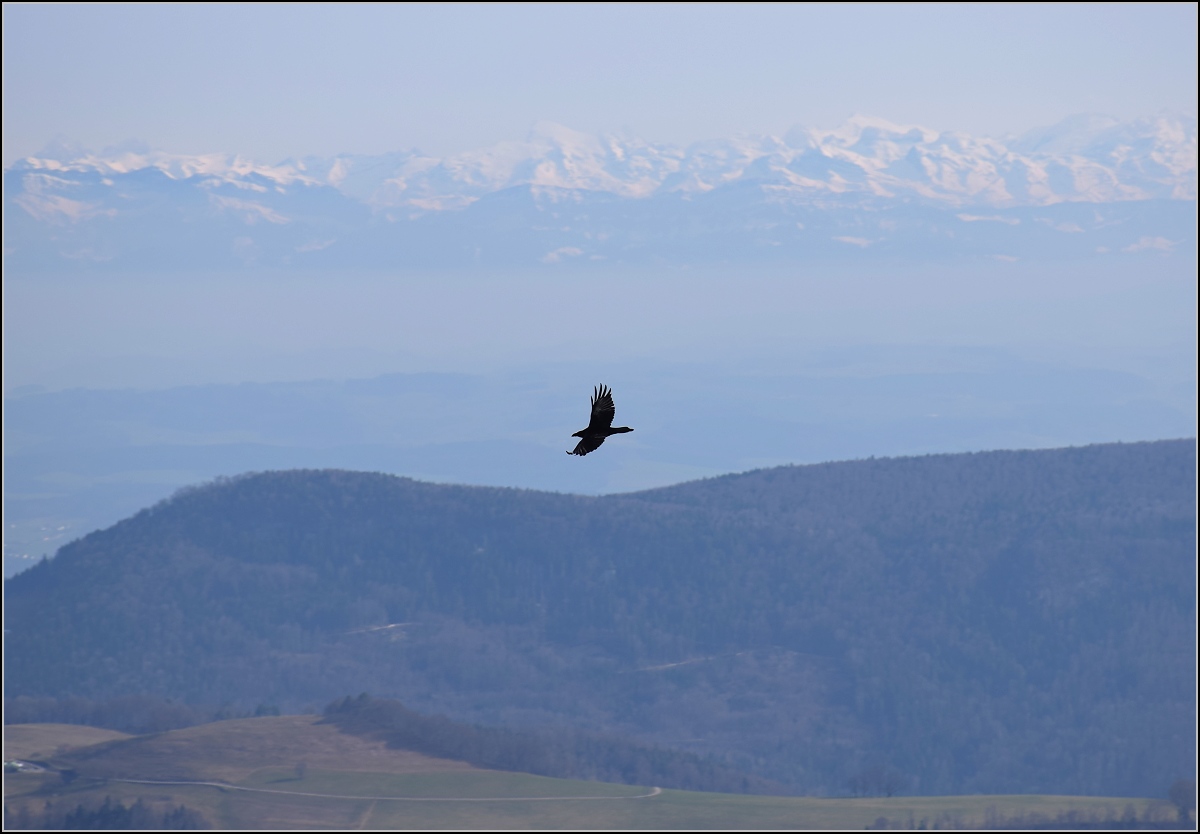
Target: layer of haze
(274, 81)
(481, 378)
(138, 331)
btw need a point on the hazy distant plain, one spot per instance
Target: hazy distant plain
(481, 378)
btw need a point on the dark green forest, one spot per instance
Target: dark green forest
(110, 816)
(1000, 622)
(562, 754)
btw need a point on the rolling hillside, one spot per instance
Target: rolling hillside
(1005, 622)
(294, 772)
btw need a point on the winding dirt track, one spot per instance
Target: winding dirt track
(227, 787)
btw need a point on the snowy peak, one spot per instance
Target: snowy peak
(1088, 186)
(1086, 158)
(870, 136)
(217, 166)
(1070, 136)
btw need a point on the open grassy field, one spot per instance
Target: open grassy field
(41, 741)
(229, 751)
(290, 772)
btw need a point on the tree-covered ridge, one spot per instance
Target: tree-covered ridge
(995, 622)
(561, 754)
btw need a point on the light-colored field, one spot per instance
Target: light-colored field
(229, 751)
(349, 783)
(41, 741)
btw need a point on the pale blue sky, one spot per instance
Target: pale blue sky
(273, 81)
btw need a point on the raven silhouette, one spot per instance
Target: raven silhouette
(600, 426)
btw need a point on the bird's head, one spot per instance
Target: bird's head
(578, 433)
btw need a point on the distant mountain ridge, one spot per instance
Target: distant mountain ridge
(1084, 158)
(568, 196)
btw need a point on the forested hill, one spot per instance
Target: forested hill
(997, 622)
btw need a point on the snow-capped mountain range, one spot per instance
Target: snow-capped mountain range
(560, 194)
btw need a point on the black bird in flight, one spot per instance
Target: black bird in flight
(600, 426)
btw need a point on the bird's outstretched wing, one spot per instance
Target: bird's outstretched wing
(603, 410)
(588, 444)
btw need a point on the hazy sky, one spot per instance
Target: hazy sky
(278, 80)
